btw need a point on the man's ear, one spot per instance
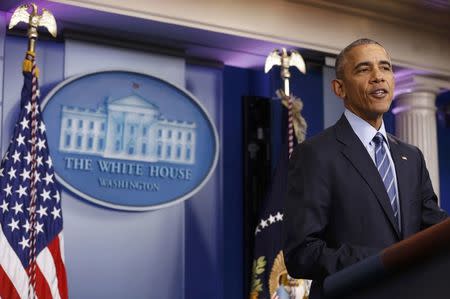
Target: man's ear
(338, 87)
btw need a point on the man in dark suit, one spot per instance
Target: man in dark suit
(354, 189)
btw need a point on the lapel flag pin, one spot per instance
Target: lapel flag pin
(404, 158)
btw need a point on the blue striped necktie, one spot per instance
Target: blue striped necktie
(387, 174)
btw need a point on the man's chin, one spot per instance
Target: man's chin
(381, 108)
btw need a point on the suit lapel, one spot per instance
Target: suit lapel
(401, 168)
(357, 154)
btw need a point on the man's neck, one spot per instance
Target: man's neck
(375, 120)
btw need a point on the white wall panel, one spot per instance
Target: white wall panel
(113, 254)
(83, 57)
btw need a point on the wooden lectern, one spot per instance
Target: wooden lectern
(417, 267)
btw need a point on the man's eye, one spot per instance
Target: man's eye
(386, 68)
(363, 70)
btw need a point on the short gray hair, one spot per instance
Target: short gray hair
(339, 65)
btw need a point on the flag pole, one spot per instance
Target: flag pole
(279, 284)
(34, 20)
(285, 61)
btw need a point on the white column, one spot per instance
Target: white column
(415, 117)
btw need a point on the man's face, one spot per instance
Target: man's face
(367, 86)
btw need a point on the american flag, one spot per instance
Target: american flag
(16, 225)
(269, 265)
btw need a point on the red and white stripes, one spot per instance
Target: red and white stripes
(50, 277)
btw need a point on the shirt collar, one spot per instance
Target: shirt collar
(363, 129)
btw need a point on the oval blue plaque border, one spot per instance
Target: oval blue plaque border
(104, 203)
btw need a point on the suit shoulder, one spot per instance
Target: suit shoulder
(327, 136)
(320, 143)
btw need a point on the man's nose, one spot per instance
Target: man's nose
(377, 75)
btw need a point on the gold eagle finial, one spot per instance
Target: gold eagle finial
(34, 20)
(285, 61)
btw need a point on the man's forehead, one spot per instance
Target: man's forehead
(368, 52)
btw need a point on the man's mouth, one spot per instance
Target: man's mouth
(379, 93)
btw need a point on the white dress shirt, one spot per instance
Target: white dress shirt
(365, 133)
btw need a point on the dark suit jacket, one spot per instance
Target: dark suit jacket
(337, 208)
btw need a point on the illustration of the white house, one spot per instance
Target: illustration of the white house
(129, 128)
